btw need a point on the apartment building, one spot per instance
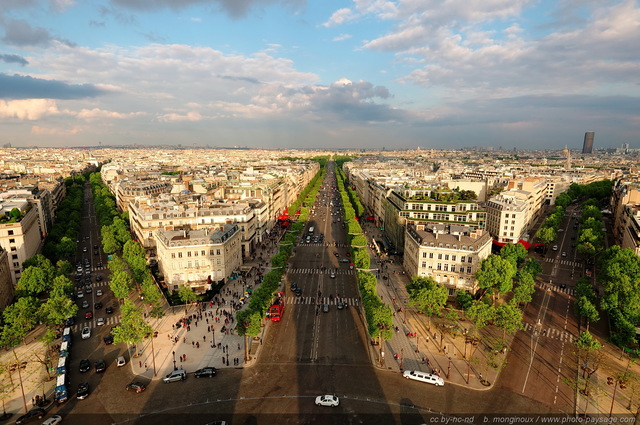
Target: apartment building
(508, 216)
(198, 258)
(188, 211)
(624, 201)
(449, 253)
(6, 283)
(127, 191)
(21, 239)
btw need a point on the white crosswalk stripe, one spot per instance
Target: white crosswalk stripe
(322, 300)
(549, 332)
(569, 291)
(325, 271)
(569, 263)
(108, 321)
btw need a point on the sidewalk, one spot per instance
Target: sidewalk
(427, 344)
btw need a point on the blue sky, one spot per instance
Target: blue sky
(335, 74)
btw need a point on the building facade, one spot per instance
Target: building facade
(6, 283)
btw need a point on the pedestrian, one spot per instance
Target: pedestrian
(180, 359)
(193, 343)
(204, 337)
(184, 356)
(145, 366)
(140, 364)
(238, 346)
(197, 345)
(184, 340)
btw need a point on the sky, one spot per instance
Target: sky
(364, 74)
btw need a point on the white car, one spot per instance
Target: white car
(86, 333)
(100, 321)
(99, 293)
(55, 419)
(80, 294)
(327, 400)
(429, 378)
(120, 361)
(555, 247)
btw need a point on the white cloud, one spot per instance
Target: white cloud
(53, 131)
(97, 114)
(27, 109)
(61, 5)
(173, 117)
(339, 17)
(342, 37)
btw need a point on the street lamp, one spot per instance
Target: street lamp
(401, 358)
(174, 361)
(449, 368)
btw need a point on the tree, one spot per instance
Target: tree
(585, 308)
(514, 252)
(187, 296)
(509, 318)
(427, 295)
(590, 350)
(66, 247)
(546, 234)
(464, 299)
(44, 264)
(121, 284)
(110, 244)
(57, 309)
(32, 282)
(496, 275)
(23, 313)
(480, 313)
(133, 329)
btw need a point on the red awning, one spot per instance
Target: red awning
(524, 243)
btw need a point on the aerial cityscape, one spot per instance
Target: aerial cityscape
(338, 212)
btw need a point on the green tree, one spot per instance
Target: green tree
(509, 318)
(32, 282)
(63, 268)
(66, 247)
(481, 313)
(57, 309)
(496, 275)
(464, 299)
(514, 252)
(546, 234)
(110, 244)
(589, 356)
(187, 296)
(44, 264)
(22, 313)
(133, 329)
(121, 284)
(427, 295)
(586, 309)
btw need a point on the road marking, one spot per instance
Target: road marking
(534, 347)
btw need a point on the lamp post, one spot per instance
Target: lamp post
(401, 358)
(417, 343)
(174, 361)
(449, 368)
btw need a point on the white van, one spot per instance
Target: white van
(429, 378)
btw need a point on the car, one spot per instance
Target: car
(70, 321)
(207, 372)
(95, 252)
(85, 304)
(332, 275)
(108, 340)
(555, 247)
(336, 254)
(88, 289)
(80, 294)
(86, 333)
(98, 277)
(101, 366)
(136, 386)
(325, 308)
(100, 321)
(98, 292)
(121, 361)
(563, 286)
(83, 390)
(97, 305)
(340, 305)
(108, 310)
(344, 260)
(88, 315)
(294, 285)
(84, 249)
(54, 420)
(429, 378)
(85, 365)
(31, 415)
(327, 400)
(564, 254)
(298, 292)
(176, 375)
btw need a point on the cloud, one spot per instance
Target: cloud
(233, 8)
(98, 114)
(342, 37)
(14, 59)
(52, 131)
(339, 17)
(20, 33)
(189, 116)
(28, 109)
(26, 87)
(61, 5)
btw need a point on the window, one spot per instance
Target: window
(188, 253)
(197, 264)
(446, 257)
(173, 255)
(446, 267)
(439, 256)
(203, 252)
(179, 255)
(468, 269)
(431, 255)
(469, 260)
(424, 264)
(14, 257)
(453, 258)
(218, 252)
(424, 255)
(188, 264)
(16, 264)
(211, 252)
(10, 232)
(195, 253)
(439, 266)
(453, 267)
(463, 259)
(12, 241)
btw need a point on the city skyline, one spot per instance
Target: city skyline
(282, 74)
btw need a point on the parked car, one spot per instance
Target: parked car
(327, 400)
(54, 420)
(98, 292)
(176, 375)
(83, 390)
(31, 415)
(109, 310)
(136, 386)
(85, 304)
(108, 340)
(205, 372)
(121, 361)
(429, 378)
(97, 305)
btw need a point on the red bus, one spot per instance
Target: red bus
(277, 307)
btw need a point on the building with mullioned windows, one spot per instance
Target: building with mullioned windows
(198, 258)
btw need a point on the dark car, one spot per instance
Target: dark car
(83, 390)
(101, 366)
(31, 415)
(98, 278)
(205, 372)
(294, 285)
(98, 306)
(70, 321)
(109, 310)
(298, 292)
(108, 339)
(136, 386)
(85, 365)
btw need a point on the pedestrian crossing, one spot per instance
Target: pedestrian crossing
(326, 244)
(549, 333)
(556, 288)
(325, 271)
(93, 323)
(321, 300)
(564, 262)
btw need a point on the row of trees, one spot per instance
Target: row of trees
(249, 320)
(378, 314)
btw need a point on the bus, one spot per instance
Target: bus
(61, 394)
(66, 335)
(62, 366)
(64, 349)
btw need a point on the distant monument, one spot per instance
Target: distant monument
(587, 147)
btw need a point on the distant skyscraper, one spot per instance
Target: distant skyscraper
(588, 142)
